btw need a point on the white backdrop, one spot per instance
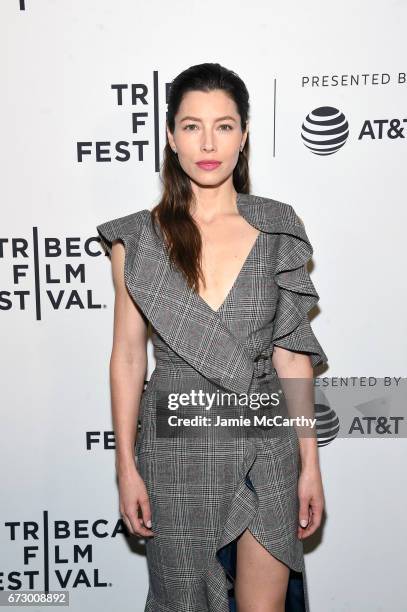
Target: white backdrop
(63, 173)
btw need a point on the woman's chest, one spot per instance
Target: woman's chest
(252, 301)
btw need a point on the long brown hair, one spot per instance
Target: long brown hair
(181, 235)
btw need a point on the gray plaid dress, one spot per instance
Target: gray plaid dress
(207, 487)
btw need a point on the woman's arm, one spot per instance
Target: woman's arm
(299, 395)
(128, 364)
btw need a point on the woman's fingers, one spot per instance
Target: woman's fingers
(137, 524)
(315, 517)
(304, 511)
(128, 524)
(145, 510)
(135, 504)
(311, 502)
(137, 517)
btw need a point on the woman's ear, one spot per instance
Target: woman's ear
(170, 138)
(245, 134)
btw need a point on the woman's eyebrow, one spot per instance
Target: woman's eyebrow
(189, 118)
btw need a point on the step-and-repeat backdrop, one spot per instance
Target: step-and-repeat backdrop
(83, 106)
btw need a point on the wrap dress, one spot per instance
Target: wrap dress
(206, 489)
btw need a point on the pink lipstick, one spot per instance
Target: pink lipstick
(208, 164)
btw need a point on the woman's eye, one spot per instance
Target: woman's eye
(225, 127)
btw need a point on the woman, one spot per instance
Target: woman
(220, 275)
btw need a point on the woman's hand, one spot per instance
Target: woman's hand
(312, 501)
(133, 494)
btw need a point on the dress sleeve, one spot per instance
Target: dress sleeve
(125, 228)
(297, 294)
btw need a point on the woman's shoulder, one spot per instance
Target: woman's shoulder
(125, 222)
(270, 212)
(120, 228)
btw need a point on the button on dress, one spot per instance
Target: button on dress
(207, 486)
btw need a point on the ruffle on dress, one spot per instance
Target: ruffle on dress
(126, 228)
(292, 328)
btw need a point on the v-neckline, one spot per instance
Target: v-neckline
(237, 278)
(193, 295)
(235, 282)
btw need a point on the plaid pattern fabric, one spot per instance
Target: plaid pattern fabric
(199, 488)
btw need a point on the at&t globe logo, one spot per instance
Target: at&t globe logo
(325, 130)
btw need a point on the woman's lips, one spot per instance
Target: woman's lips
(208, 165)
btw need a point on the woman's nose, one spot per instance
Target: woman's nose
(208, 143)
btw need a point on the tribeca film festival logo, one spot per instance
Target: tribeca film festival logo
(326, 129)
(140, 98)
(56, 554)
(47, 273)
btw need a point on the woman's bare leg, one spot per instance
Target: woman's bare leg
(261, 579)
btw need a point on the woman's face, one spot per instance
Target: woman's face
(207, 128)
